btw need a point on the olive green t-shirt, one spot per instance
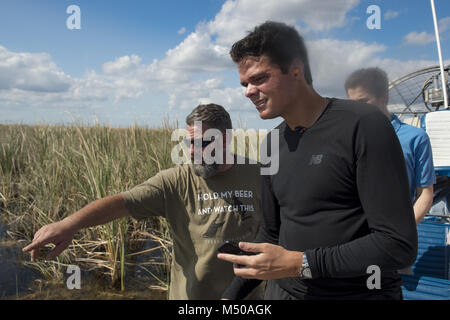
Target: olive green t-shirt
(202, 214)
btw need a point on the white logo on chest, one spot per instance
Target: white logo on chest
(316, 159)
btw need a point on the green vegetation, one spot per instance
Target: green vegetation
(48, 173)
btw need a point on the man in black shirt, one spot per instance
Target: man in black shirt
(337, 214)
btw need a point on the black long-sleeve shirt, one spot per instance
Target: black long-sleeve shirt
(340, 195)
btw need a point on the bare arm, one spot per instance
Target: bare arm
(61, 233)
(423, 202)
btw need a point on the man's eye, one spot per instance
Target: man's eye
(260, 79)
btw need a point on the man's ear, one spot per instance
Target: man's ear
(297, 69)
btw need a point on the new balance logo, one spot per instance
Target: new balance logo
(316, 159)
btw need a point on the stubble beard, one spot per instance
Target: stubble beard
(268, 113)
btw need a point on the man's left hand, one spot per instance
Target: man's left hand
(271, 262)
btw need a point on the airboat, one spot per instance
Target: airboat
(419, 99)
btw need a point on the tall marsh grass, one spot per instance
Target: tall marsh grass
(50, 172)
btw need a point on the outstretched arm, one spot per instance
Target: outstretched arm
(61, 233)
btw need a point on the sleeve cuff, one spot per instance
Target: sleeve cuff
(310, 255)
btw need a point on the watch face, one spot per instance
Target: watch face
(306, 273)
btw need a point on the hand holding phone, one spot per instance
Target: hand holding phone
(232, 247)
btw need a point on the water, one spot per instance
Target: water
(18, 281)
(15, 278)
(2, 231)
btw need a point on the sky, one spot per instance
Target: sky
(147, 62)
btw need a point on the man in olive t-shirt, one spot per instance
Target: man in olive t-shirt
(205, 204)
(202, 214)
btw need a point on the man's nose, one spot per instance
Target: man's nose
(250, 90)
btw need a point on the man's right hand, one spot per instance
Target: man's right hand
(58, 233)
(61, 233)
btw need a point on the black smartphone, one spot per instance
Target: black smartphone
(233, 248)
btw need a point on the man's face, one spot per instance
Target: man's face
(363, 95)
(203, 170)
(271, 91)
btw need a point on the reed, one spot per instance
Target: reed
(48, 172)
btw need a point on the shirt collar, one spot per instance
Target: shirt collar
(396, 123)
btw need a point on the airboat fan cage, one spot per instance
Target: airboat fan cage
(417, 93)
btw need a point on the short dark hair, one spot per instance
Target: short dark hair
(214, 115)
(374, 80)
(281, 43)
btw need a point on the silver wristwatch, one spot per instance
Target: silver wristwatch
(305, 270)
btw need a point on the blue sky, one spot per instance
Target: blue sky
(149, 60)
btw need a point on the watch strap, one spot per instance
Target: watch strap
(305, 270)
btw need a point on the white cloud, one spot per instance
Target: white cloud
(333, 60)
(182, 30)
(121, 64)
(33, 79)
(206, 49)
(234, 21)
(31, 72)
(390, 14)
(197, 53)
(444, 24)
(127, 78)
(415, 38)
(191, 94)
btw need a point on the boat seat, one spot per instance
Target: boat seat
(437, 126)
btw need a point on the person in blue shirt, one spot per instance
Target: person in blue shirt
(371, 86)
